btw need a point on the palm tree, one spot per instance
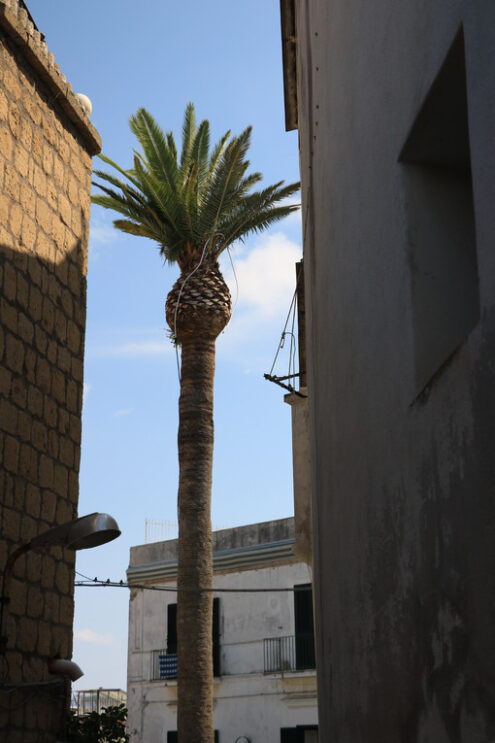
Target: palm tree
(194, 207)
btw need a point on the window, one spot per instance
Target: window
(172, 633)
(299, 734)
(440, 226)
(304, 627)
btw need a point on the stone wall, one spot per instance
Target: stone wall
(46, 143)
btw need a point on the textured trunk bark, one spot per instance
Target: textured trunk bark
(195, 569)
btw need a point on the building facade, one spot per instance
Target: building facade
(46, 146)
(396, 114)
(263, 643)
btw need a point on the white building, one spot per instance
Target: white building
(265, 680)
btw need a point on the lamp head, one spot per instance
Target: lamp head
(83, 533)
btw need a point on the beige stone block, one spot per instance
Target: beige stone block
(73, 488)
(73, 337)
(30, 360)
(10, 282)
(48, 315)
(73, 397)
(4, 208)
(35, 302)
(15, 120)
(66, 610)
(58, 386)
(58, 232)
(29, 528)
(62, 578)
(64, 513)
(50, 411)
(6, 143)
(8, 417)
(65, 210)
(43, 375)
(44, 647)
(52, 444)
(25, 328)
(48, 506)
(48, 573)
(14, 353)
(34, 602)
(64, 359)
(28, 235)
(77, 223)
(32, 109)
(11, 454)
(19, 392)
(11, 84)
(66, 453)
(26, 135)
(61, 484)
(60, 326)
(4, 106)
(34, 269)
(41, 340)
(58, 171)
(33, 500)
(11, 183)
(44, 215)
(5, 381)
(28, 463)
(51, 194)
(52, 606)
(77, 370)
(75, 429)
(9, 315)
(39, 436)
(21, 160)
(75, 281)
(22, 291)
(44, 248)
(51, 352)
(27, 635)
(47, 162)
(39, 182)
(63, 421)
(46, 472)
(24, 426)
(18, 590)
(37, 147)
(50, 132)
(64, 150)
(67, 303)
(15, 220)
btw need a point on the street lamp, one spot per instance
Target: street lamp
(79, 534)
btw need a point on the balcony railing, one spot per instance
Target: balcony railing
(164, 665)
(290, 653)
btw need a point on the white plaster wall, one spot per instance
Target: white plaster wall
(246, 701)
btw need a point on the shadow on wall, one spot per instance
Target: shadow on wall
(42, 325)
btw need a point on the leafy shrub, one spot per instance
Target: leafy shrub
(108, 726)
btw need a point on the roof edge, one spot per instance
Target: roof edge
(16, 22)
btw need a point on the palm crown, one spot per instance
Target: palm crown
(195, 207)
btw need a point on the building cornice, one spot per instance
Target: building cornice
(15, 21)
(226, 561)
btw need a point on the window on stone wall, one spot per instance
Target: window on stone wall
(440, 220)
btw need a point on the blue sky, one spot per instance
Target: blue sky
(225, 57)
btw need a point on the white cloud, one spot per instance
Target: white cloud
(102, 234)
(120, 413)
(86, 390)
(94, 638)
(135, 349)
(265, 275)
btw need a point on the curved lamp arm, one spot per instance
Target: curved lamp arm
(82, 533)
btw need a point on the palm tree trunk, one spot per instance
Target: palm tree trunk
(195, 564)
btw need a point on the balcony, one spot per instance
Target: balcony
(290, 653)
(163, 665)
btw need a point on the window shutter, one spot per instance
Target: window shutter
(171, 629)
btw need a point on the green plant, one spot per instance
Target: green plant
(107, 726)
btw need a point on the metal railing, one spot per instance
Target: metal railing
(290, 653)
(164, 665)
